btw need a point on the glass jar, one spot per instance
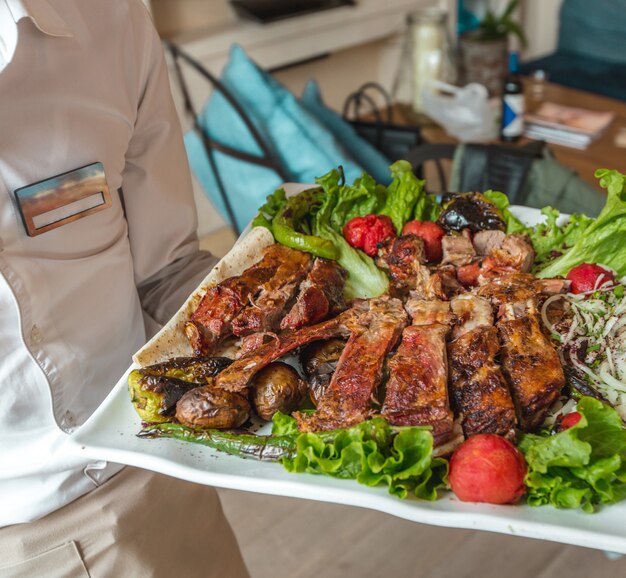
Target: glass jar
(427, 54)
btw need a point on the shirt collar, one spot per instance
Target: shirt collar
(43, 15)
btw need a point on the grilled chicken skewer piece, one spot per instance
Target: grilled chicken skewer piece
(417, 392)
(478, 389)
(347, 399)
(530, 362)
(236, 302)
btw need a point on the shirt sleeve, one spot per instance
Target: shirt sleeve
(157, 190)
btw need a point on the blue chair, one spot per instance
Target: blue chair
(590, 53)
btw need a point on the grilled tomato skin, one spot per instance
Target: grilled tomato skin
(431, 233)
(488, 468)
(588, 276)
(367, 232)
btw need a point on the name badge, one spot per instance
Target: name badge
(62, 199)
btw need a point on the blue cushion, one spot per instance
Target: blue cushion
(374, 162)
(305, 147)
(582, 72)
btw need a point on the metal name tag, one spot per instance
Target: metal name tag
(62, 199)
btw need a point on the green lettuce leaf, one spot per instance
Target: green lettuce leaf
(581, 467)
(601, 239)
(403, 193)
(372, 453)
(273, 203)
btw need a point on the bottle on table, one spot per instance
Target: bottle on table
(512, 125)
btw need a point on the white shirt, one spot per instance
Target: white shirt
(82, 81)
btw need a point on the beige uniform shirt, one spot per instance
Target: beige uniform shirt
(82, 81)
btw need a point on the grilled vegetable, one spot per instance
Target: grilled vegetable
(212, 407)
(470, 211)
(277, 387)
(155, 396)
(319, 362)
(196, 369)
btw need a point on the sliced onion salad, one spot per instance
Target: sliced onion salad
(593, 340)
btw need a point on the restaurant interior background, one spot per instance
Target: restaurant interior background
(343, 48)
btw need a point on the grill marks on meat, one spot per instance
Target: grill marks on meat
(320, 296)
(404, 260)
(252, 301)
(529, 360)
(478, 389)
(347, 399)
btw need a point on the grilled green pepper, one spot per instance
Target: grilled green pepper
(196, 369)
(289, 217)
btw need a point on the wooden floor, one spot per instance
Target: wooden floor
(291, 538)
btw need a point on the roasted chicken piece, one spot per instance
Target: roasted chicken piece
(404, 259)
(320, 296)
(417, 387)
(212, 321)
(478, 389)
(347, 399)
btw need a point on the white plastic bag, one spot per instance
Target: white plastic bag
(465, 113)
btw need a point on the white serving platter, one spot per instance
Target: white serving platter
(110, 434)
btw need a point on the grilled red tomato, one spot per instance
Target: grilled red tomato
(431, 233)
(367, 232)
(586, 277)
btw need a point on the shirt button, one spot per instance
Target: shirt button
(36, 336)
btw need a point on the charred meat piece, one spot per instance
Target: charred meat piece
(478, 389)
(211, 322)
(457, 250)
(404, 259)
(347, 400)
(417, 392)
(531, 365)
(237, 377)
(515, 254)
(212, 407)
(486, 241)
(319, 362)
(443, 284)
(427, 312)
(268, 307)
(320, 296)
(511, 288)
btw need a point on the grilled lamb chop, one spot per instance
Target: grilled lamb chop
(417, 388)
(321, 295)
(346, 401)
(212, 321)
(529, 360)
(478, 389)
(244, 368)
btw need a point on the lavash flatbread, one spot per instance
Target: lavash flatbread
(171, 341)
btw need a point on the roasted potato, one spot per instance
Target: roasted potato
(319, 362)
(277, 387)
(211, 407)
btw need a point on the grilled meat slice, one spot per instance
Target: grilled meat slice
(423, 312)
(478, 389)
(486, 241)
(237, 377)
(320, 296)
(212, 320)
(268, 307)
(443, 284)
(457, 249)
(404, 259)
(515, 254)
(254, 341)
(347, 398)
(417, 392)
(531, 365)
